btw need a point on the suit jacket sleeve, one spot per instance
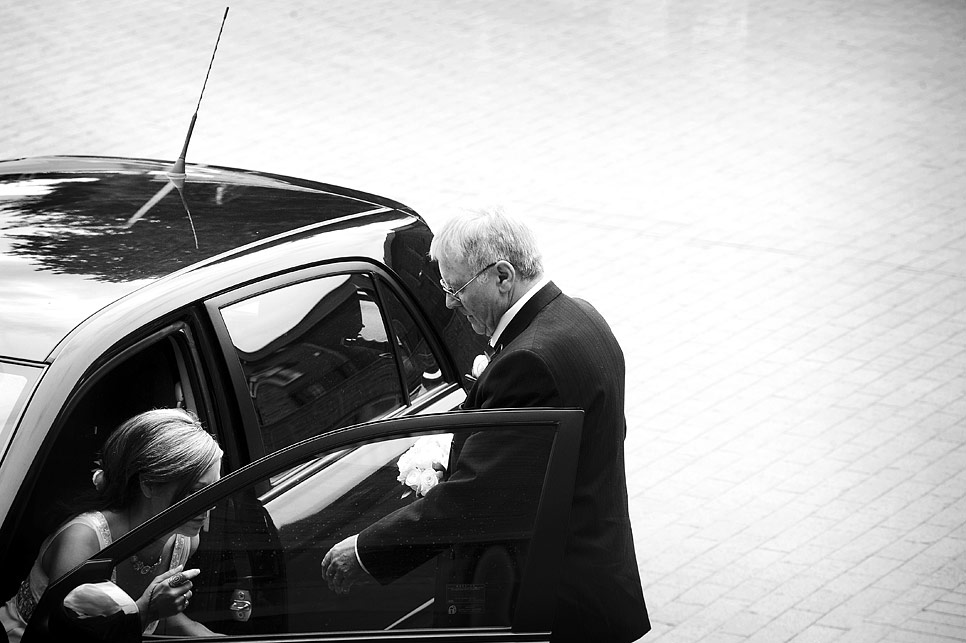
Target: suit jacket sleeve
(492, 492)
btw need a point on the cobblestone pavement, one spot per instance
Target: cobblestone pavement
(765, 198)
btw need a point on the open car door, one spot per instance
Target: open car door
(473, 555)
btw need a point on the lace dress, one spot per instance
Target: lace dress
(17, 611)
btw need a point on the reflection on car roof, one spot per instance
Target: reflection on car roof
(77, 233)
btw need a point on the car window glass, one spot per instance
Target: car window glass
(16, 383)
(316, 356)
(458, 565)
(420, 366)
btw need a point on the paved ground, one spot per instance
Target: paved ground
(765, 198)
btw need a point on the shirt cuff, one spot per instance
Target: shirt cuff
(355, 548)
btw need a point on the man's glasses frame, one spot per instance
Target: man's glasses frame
(455, 294)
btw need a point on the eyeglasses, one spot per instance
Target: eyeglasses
(455, 294)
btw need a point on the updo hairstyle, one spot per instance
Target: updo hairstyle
(156, 447)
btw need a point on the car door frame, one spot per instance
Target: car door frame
(536, 599)
(179, 328)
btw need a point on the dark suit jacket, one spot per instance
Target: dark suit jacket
(556, 352)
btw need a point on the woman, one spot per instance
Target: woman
(152, 461)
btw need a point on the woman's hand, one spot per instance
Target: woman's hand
(168, 594)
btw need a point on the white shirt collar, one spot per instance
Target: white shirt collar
(515, 308)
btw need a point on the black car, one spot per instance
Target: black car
(304, 325)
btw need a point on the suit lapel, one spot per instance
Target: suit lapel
(530, 310)
(516, 326)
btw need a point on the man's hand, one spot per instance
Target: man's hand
(341, 568)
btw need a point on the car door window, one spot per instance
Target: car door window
(455, 570)
(480, 556)
(420, 367)
(315, 356)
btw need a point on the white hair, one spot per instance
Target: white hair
(481, 237)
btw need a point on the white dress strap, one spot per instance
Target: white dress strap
(97, 521)
(180, 551)
(15, 614)
(93, 519)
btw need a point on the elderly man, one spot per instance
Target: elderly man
(549, 351)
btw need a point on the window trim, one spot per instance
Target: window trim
(444, 358)
(100, 369)
(391, 336)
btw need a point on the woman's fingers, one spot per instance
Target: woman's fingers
(160, 578)
(172, 590)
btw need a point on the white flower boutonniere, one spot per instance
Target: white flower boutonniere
(479, 365)
(421, 467)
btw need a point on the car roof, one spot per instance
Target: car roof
(78, 233)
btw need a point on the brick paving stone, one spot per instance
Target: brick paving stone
(858, 608)
(865, 633)
(764, 199)
(914, 636)
(785, 627)
(719, 637)
(818, 634)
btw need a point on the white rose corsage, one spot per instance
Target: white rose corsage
(479, 365)
(421, 467)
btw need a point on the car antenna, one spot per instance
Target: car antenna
(177, 172)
